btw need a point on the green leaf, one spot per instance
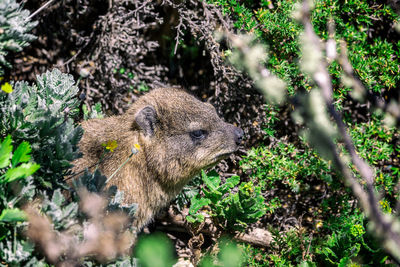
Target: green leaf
(328, 252)
(211, 179)
(21, 154)
(5, 152)
(344, 262)
(12, 215)
(195, 218)
(22, 171)
(213, 195)
(233, 180)
(230, 183)
(197, 203)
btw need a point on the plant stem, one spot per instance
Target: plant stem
(100, 160)
(122, 165)
(40, 9)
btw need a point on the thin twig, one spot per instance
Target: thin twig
(360, 88)
(40, 9)
(72, 175)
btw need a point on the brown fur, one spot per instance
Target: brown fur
(161, 122)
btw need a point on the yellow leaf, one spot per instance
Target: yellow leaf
(7, 88)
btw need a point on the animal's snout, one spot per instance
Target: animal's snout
(238, 135)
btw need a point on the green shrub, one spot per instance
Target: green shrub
(373, 56)
(373, 141)
(16, 187)
(42, 114)
(341, 237)
(14, 28)
(346, 238)
(234, 211)
(349, 241)
(284, 164)
(292, 247)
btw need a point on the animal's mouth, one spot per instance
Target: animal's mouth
(222, 156)
(218, 158)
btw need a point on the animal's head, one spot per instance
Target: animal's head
(180, 134)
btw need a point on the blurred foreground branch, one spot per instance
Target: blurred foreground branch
(251, 58)
(104, 236)
(317, 110)
(384, 226)
(391, 108)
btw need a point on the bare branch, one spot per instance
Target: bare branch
(368, 199)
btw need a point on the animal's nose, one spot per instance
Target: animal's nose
(238, 135)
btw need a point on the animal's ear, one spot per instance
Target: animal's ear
(146, 119)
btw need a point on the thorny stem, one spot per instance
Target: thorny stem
(244, 49)
(368, 198)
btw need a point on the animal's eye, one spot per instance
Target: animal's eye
(198, 134)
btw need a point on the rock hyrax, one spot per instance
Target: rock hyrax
(178, 136)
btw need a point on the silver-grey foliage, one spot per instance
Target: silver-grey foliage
(41, 114)
(14, 28)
